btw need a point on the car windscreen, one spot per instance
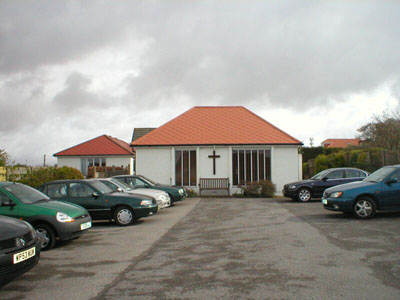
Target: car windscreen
(26, 194)
(113, 186)
(121, 184)
(101, 187)
(380, 174)
(321, 175)
(147, 180)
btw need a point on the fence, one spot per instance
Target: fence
(369, 160)
(104, 172)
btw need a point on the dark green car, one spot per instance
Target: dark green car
(100, 201)
(139, 181)
(51, 219)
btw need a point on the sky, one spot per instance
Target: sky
(74, 70)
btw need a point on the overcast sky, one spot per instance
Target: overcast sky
(74, 70)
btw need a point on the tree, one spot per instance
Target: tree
(4, 158)
(383, 131)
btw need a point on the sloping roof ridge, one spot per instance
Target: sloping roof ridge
(165, 124)
(113, 139)
(218, 106)
(56, 154)
(271, 125)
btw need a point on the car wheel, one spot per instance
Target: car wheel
(304, 195)
(46, 235)
(123, 216)
(364, 208)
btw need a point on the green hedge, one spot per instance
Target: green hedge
(366, 159)
(37, 177)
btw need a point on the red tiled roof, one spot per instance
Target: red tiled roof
(101, 145)
(340, 143)
(218, 125)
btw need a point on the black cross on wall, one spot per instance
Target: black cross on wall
(214, 157)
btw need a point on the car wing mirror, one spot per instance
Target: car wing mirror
(324, 178)
(8, 204)
(119, 190)
(391, 181)
(95, 195)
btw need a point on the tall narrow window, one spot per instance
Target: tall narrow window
(241, 167)
(254, 165)
(193, 170)
(268, 164)
(250, 166)
(185, 168)
(235, 170)
(261, 164)
(178, 167)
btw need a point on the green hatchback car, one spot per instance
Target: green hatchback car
(101, 202)
(52, 219)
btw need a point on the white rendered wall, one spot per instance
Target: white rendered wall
(154, 163)
(73, 162)
(205, 169)
(285, 166)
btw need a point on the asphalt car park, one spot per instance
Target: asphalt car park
(225, 248)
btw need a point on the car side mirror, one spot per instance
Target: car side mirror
(391, 181)
(8, 204)
(95, 195)
(119, 190)
(324, 179)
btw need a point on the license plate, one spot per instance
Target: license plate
(86, 225)
(324, 201)
(24, 255)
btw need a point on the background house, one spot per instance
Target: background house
(101, 152)
(340, 143)
(218, 142)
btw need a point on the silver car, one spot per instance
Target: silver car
(162, 198)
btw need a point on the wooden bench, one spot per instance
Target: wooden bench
(213, 184)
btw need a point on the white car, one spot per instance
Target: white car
(162, 198)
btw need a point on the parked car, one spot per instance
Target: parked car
(314, 188)
(162, 198)
(19, 248)
(379, 191)
(100, 201)
(139, 181)
(52, 219)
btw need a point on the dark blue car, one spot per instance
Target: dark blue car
(379, 191)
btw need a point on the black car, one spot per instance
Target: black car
(19, 248)
(314, 188)
(139, 181)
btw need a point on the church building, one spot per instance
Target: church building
(218, 142)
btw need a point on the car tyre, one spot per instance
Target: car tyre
(123, 216)
(47, 236)
(303, 194)
(364, 208)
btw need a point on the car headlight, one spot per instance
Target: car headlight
(181, 191)
(336, 194)
(33, 231)
(161, 197)
(292, 187)
(64, 218)
(146, 202)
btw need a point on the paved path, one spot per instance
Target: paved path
(267, 249)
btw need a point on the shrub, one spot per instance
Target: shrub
(191, 193)
(321, 163)
(264, 189)
(37, 177)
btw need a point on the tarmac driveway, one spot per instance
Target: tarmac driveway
(267, 249)
(225, 249)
